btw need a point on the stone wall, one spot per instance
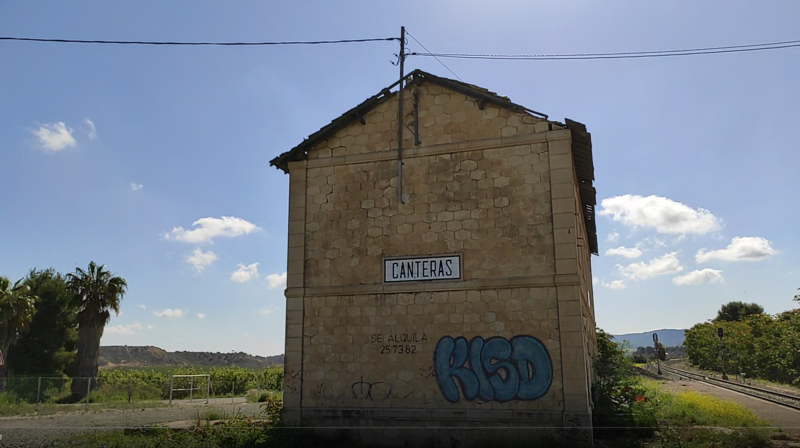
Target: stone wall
(494, 186)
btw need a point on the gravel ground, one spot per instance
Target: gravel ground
(46, 431)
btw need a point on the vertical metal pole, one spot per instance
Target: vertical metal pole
(208, 387)
(233, 390)
(191, 388)
(38, 391)
(88, 389)
(400, 118)
(171, 383)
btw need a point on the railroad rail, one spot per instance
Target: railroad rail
(781, 398)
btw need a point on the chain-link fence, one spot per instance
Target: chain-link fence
(43, 389)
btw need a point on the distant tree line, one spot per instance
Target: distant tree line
(754, 343)
(51, 324)
(649, 353)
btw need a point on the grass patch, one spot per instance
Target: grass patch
(694, 409)
(260, 395)
(12, 407)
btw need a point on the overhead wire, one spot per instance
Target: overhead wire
(429, 51)
(172, 43)
(621, 55)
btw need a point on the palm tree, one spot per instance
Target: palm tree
(17, 307)
(95, 293)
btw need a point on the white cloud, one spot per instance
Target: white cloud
(206, 229)
(612, 237)
(747, 248)
(698, 277)
(666, 264)
(177, 313)
(266, 311)
(651, 243)
(664, 215)
(92, 132)
(150, 326)
(627, 252)
(201, 316)
(123, 329)
(136, 187)
(199, 259)
(142, 307)
(616, 284)
(54, 137)
(245, 273)
(277, 280)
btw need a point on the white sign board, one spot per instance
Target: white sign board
(420, 269)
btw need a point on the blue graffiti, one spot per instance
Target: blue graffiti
(494, 369)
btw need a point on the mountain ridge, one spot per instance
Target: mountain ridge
(121, 356)
(668, 337)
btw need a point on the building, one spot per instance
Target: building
(467, 305)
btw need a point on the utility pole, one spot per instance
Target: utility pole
(400, 59)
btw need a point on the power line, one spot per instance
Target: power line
(440, 61)
(231, 44)
(621, 55)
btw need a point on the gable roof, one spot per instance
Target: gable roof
(581, 139)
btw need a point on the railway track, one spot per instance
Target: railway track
(781, 398)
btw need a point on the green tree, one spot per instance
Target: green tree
(95, 293)
(797, 296)
(736, 311)
(48, 346)
(17, 306)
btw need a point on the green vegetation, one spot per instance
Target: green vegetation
(48, 346)
(137, 385)
(16, 313)
(95, 293)
(759, 345)
(736, 311)
(631, 411)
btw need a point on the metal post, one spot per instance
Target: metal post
(88, 389)
(38, 391)
(655, 345)
(233, 390)
(191, 388)
(401, 58)
(208, 387)
(171, 383)
(721, 333)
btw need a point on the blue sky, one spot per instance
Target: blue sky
(690, 152)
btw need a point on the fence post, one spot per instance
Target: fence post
(191, 388)
(171, 380)
(88, 389)
(208, 387)
(233, 390)
(38, 391)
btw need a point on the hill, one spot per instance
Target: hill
(670, 338)
(116, 356)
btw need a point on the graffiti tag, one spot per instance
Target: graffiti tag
(363, 390)
(494, 369)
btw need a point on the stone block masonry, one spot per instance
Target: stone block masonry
(508, 342)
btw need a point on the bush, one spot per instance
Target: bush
(762, 346)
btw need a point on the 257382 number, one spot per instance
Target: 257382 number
(399, 349)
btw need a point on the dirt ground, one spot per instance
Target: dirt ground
(46, 431)
(780, 416)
